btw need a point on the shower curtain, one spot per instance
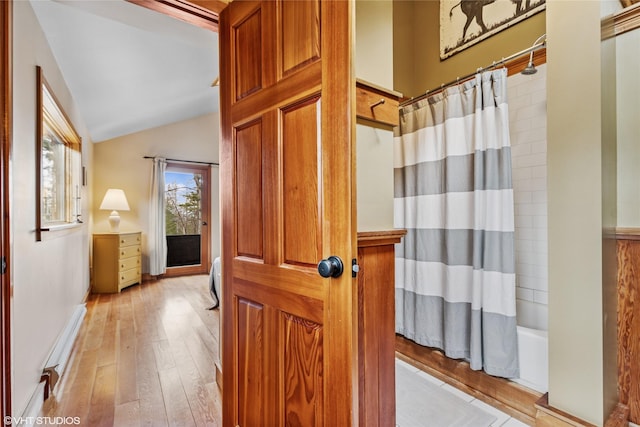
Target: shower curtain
(455, 269)
(157, 234)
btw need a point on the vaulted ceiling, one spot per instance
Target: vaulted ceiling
(129, 68)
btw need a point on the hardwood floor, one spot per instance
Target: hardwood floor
(144, 357)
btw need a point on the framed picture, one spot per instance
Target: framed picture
(467, 22)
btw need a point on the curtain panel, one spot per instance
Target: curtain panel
(455, 269)
(157, 234)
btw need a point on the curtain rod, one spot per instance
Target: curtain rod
(479, 70)
(186, 161)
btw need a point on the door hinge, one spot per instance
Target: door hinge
(354, 267)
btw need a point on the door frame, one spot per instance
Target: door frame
(205, 208)
(6, 135)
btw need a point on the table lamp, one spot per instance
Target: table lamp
(114, 201)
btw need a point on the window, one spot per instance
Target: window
(58, 164)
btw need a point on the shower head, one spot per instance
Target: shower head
(531, 68)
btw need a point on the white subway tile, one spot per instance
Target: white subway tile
(532, 135)
(518, 102)
(539, 97)
(539, 121)
(539, 184)
(539, 196)
(535, 84)
(539, 171)
(519, 126)
(541, 297)
(532, 160)
(522, 196)
(540, 247)
(526, 270)
(539, 147)
(520, 150)
(523, 221)
(540, 222)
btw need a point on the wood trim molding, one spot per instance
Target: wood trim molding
(6, 135)
(627, 233)
(378, 238)
(628, 325)
(202, 13)
(619, 417)
(626, 20)
(548, 416)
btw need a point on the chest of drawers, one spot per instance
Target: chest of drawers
(116, 261)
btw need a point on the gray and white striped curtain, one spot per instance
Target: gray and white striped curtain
(455, 269)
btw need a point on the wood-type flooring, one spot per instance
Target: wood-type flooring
(144, 357)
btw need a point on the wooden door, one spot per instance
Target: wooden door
(289, 341)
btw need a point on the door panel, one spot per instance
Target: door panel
(249, 190)
(303, 371)
(300, 29)
(247, 34)
(289, 336)
(251, 357)
(301, 202)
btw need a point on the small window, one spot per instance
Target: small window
(58, 164)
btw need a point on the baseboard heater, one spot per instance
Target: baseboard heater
(56, 362)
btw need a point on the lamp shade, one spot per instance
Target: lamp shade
(114, 200)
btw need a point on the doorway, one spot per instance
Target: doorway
(187, 217)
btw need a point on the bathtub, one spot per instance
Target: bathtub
(534, 359)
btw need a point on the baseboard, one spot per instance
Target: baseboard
(146, 277)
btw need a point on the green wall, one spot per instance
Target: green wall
(416, 47)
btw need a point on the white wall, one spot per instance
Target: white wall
(582, 373)
(374, 63)
(528, 131)
(119, 163)
(51, 277)
(628, 100)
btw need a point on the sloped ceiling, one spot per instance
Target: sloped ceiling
(130, 68)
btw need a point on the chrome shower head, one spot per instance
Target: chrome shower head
(529, 69)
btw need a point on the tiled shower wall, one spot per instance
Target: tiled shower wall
(528, 127)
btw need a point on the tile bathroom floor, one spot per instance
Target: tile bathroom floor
(502, 419)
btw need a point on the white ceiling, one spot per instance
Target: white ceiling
(129, 68)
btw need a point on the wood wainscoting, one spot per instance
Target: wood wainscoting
(508, 396)
(628, 249)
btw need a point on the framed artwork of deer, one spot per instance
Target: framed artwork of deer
(466, 22)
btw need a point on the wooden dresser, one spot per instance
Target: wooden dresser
(116, 261)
